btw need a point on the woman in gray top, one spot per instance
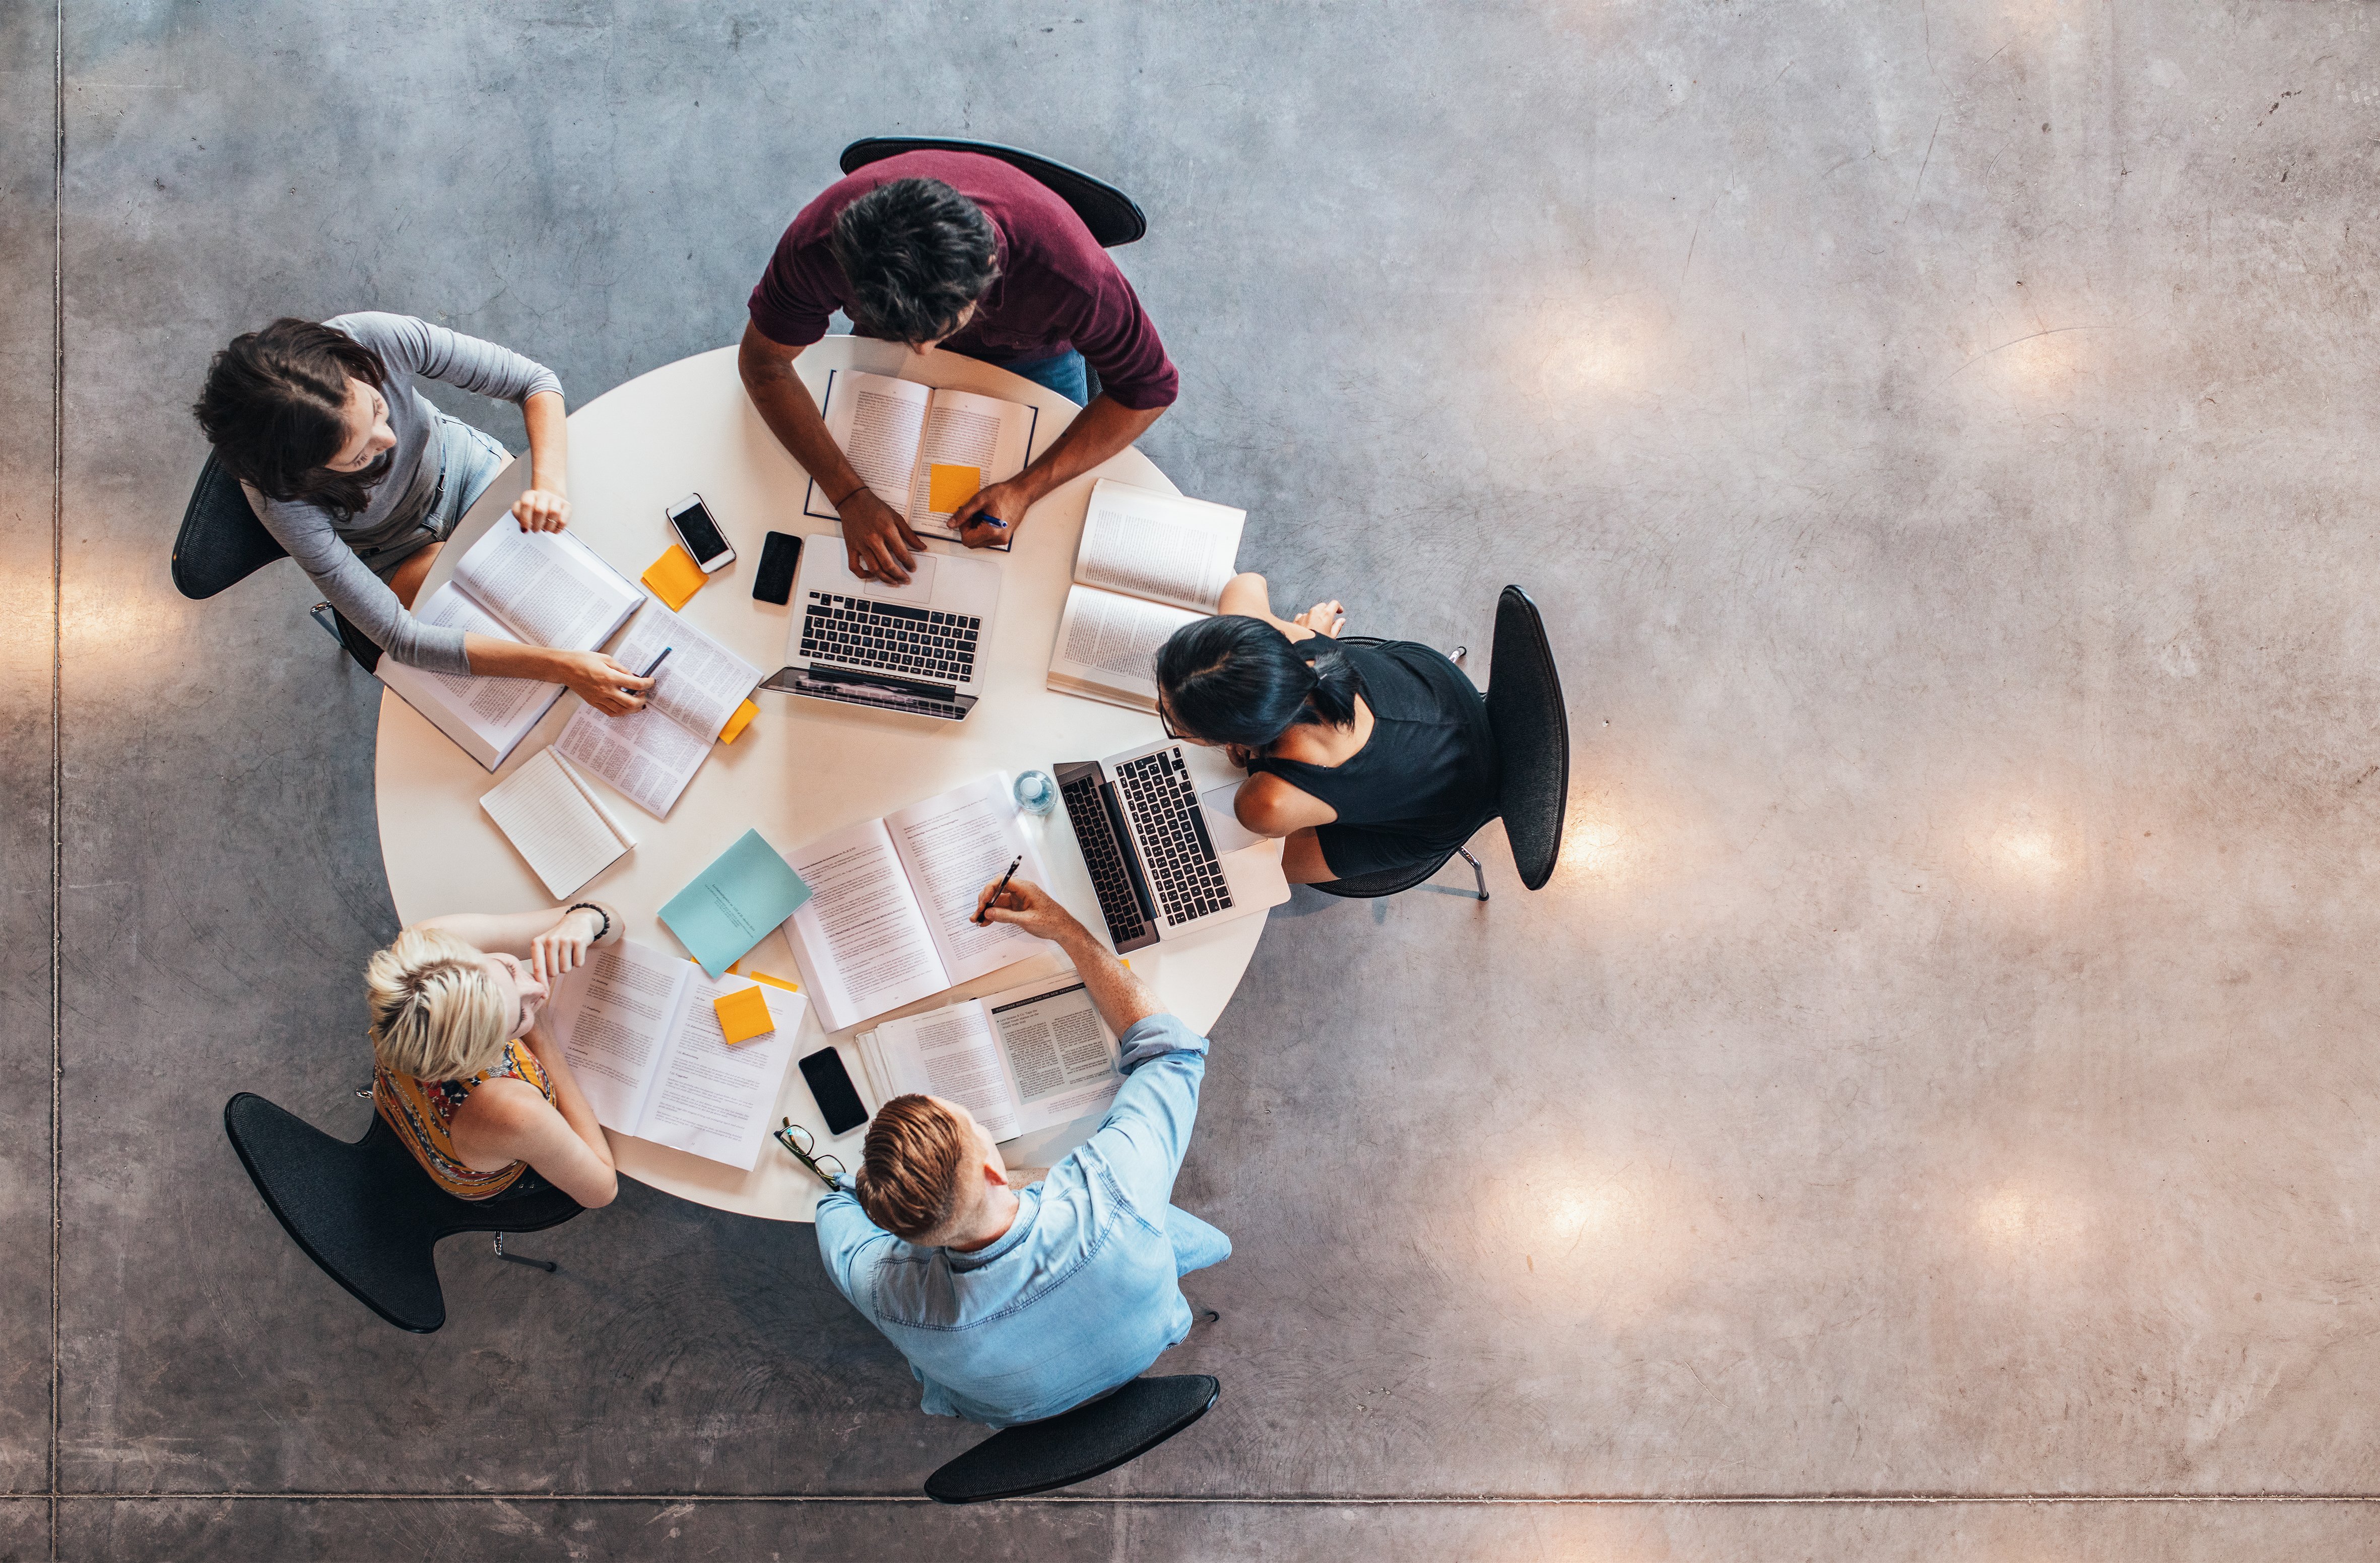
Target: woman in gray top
(361, 480)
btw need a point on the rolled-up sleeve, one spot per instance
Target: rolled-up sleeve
(1119, 340)
(795, 298)
(361, 597)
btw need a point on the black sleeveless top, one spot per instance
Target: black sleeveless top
(1423, 782)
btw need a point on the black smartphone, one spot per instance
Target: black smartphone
(774, 581)
(831, 1088)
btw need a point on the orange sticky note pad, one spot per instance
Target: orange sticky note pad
(743, 1015)
(947, 488)
(738, 722)
(674, 577)
(774, 982)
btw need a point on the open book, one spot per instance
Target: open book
(651, 755)
(639, 1031)
(1029, 1058)
(891, 918)
(547, 811)
(547, 589)
(924, 452)
(1148, 563)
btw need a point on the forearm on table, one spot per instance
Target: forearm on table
(549, 441)
(1123, 998)
(510, 933)
(1098, 432)
(787, 407)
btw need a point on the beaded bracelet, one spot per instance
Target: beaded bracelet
(591, 906)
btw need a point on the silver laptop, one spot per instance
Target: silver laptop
(1166, 853)
(918, 648)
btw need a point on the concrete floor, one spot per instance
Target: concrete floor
(1941, 1070)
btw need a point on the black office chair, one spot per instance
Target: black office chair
(367, 1214)
(1081, 1444)
(222, 544)
(1114, 217)
(1524, 710)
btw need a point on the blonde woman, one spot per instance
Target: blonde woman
(468, 1080)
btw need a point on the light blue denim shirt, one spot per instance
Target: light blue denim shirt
(1082, 1293)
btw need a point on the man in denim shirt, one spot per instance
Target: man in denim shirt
(1013, 1305)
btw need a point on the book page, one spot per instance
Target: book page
(702, 683)
(860, 939)
(1162, 547)
(486, 716)
(713, 1099)
(543, 812)
(1059, 1055)
(613, 1018)
(876, 421)
(964, 429)
(954, 1053)
(1108, 644)
(551, 587)
(648, 757)
(951, 846)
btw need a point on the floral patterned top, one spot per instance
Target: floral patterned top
(422, 1113)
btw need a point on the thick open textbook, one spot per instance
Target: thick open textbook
(923, 451)
(548, 811)
(639, 1031)
(891, 918)
(547, 589)
(651, 755)
(1032, 1057)
(1148, 563)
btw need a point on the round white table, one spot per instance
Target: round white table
(805, 767)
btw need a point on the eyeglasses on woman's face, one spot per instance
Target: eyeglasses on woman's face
(1166, 717)
(803, 1146)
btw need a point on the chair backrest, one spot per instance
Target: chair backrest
(1077, 1445)
(365, 1212)
(220, 542)
(1114, 217)
(1525, 708)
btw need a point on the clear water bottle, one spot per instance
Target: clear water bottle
(1035, 792)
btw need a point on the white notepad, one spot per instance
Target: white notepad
(547, 811)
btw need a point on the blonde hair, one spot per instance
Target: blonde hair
(436, 1013)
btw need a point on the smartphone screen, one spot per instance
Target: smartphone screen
(831, 1088)
(698, 532)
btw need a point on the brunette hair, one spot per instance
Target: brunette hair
(273, 409)
(908, 1177)
(915, 252)
(1236, 680)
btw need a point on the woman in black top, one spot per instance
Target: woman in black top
(1366, 758)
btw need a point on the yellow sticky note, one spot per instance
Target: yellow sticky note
(774, 982)
(738, 722)
(947, 488)
(674, 577)
(743, 1015)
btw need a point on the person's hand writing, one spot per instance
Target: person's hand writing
(542, 510)
(562, 946)
(979, 522)
(1028, 906)
(877, 541)
(1324, 618)
(607, 685)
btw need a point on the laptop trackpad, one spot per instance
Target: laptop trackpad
(1224, 827)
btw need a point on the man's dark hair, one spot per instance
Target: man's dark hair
(917, 253)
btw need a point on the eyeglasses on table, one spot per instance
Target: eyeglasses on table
(803, 1146)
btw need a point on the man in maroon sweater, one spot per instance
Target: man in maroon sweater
(958, 251)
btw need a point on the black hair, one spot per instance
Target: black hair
(274, 408)
(917, 253)
(1237, 680)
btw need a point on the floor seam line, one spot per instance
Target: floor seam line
(58, 755)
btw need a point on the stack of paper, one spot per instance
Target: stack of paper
(547, 810)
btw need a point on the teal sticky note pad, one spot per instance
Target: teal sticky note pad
(731, 906)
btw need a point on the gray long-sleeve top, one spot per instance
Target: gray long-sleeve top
(326, 549)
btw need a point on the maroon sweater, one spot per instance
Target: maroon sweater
(1056, 288)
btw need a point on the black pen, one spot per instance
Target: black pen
(1002, 891)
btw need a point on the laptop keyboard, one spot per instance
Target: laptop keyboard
(1104, 857)
(1183, 873)
(854, 632)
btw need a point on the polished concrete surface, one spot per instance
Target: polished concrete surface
(1939, 438)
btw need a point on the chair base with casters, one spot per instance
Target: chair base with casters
(368, 1215)
(222, 544)
(1089, 1441)
(1532, 732)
